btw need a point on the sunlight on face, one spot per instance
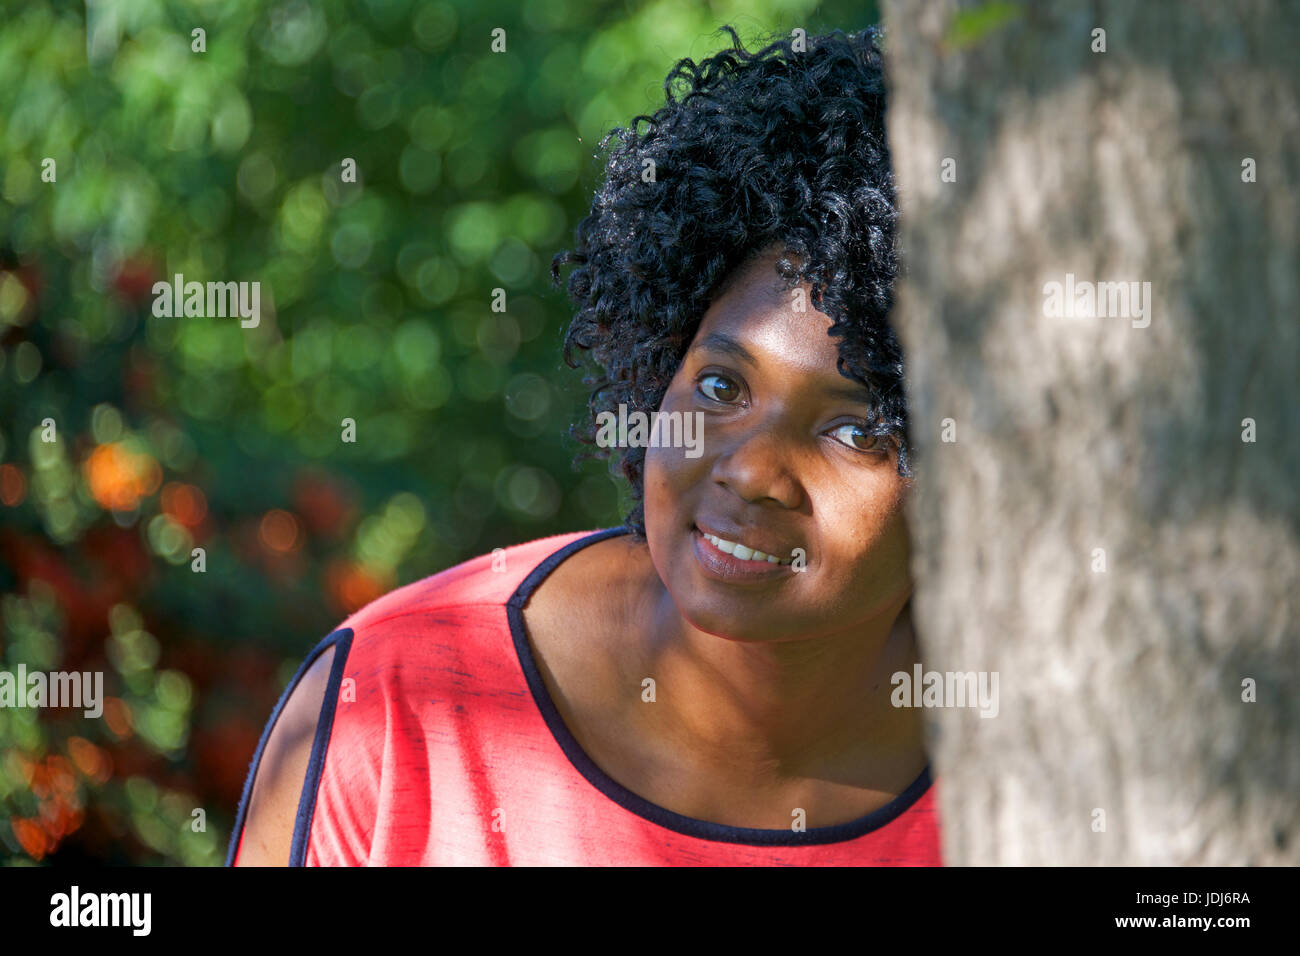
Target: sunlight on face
(787, 463)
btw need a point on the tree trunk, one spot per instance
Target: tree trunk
(1111, 520)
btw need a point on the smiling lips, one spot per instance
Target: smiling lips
(731, 568)
(740, 551)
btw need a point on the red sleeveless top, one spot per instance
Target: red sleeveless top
(438, 744)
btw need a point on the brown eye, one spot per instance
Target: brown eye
(719, 388)
(857, 437)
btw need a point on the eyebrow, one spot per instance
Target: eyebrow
(721, 342)
(850, 391)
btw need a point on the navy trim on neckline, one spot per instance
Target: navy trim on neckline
(641, 807)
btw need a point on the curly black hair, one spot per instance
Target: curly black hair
(782, 146)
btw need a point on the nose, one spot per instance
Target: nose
(756, 467)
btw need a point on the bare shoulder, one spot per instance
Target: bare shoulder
(578, 616)
(277, 786)
(591, 589)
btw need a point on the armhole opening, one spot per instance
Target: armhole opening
(341, 641)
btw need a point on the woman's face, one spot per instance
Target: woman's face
(784, 462)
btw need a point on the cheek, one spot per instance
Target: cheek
(870, 544)
(670, 478)
(668, 481)
(664, 512)
(661, 501)
(892, 552)
(656, 479)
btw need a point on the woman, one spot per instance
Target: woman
(709, 684)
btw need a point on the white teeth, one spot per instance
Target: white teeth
(741, 551)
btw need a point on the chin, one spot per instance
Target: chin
(743, 628)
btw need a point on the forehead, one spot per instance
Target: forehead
(760, 313)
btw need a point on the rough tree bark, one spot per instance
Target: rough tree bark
(1121, 689)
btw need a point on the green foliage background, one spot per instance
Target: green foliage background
(175, 433)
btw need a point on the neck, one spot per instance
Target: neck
(765, 713)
